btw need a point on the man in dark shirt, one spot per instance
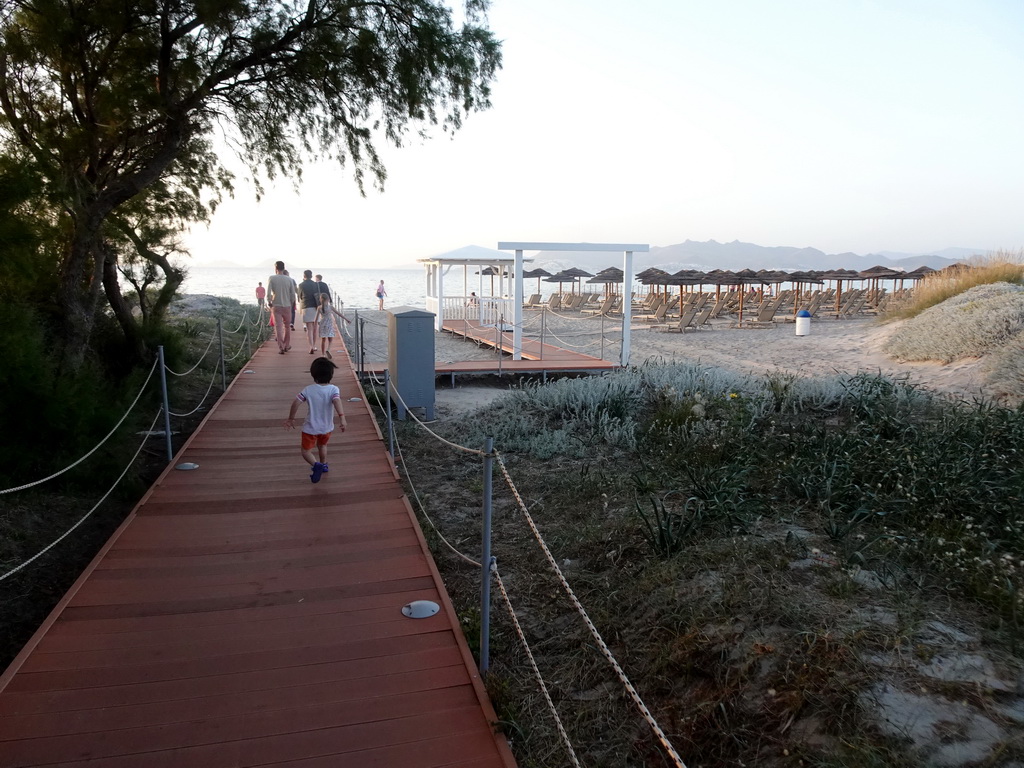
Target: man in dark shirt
(308, 303)
(321, 286)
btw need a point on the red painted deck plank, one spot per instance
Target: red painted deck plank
(245, 616)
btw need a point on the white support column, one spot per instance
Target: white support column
(517, 299)
(439, 320)
(627, 304)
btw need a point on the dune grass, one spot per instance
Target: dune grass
(1000, 267)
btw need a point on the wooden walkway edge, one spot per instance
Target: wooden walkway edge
(243, 616)
(536, 357)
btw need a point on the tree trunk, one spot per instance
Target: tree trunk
(122, 312)
(173, 280)
(79, 287)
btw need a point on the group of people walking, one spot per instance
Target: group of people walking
(284, 297)
(312, 297)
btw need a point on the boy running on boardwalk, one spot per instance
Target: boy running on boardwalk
(324, 400)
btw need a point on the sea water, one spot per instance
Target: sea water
(355, 287)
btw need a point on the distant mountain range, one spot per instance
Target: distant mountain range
(704, 256)
(710, 255)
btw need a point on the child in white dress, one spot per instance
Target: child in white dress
(325, 315)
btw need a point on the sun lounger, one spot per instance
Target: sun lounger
(765, 315)
(533, 301)
(682, 324)
(605, 307)
(701, 320)
(654, 317)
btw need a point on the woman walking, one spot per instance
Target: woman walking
(381, 293)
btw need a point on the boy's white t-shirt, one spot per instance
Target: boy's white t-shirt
(320, 399)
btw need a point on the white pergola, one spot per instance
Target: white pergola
(626, 249)
(447, 296)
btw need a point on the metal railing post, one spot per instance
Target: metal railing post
(167, 405)
(500, 339)
(355, 340)
(387, 406)
(362, 346)
(220, 338)
(485, 561)
(543, 317)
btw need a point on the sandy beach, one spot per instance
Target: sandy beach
(832, 346)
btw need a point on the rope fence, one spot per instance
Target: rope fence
(95, 447)
(86, 516)
(245, 323)
(602, 646)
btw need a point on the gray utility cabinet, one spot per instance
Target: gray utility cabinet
(411, 359)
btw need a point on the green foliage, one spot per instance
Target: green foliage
(886, 468)
(667, 529)
(53, 416)
(114, 105)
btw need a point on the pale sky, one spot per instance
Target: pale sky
(848, 125)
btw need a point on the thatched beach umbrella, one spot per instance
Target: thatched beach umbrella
(771, 277)
(538, 273)
(492, 271)
(876, 274)
(839, 275)
(608, 277)
(560, 277)
(799, 279)
(688, 277)
(921, 272)
(653, 276)
(718, 278)
(742, 278)
(575, 273)
(918, 274)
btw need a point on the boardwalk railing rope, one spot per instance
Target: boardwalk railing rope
(241, 347)
(95, 447)
(536, 670)
(423, 511)
(605, 650)
(209, 389)
(198, 362)
(501, 586)
(456, 446)
(85, 517)
(603, 647)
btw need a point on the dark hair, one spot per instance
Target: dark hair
(308, 274)
(322, 370)
(279, 266)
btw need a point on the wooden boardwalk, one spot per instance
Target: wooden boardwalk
(244, 616)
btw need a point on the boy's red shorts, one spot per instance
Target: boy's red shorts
(309, 441)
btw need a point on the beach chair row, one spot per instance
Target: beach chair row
(585, 303)
(760, 308)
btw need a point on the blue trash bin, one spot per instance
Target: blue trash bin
(803, 323)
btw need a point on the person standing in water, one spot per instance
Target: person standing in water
(381, 293)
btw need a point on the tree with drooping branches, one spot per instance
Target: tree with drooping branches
(115, 102)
